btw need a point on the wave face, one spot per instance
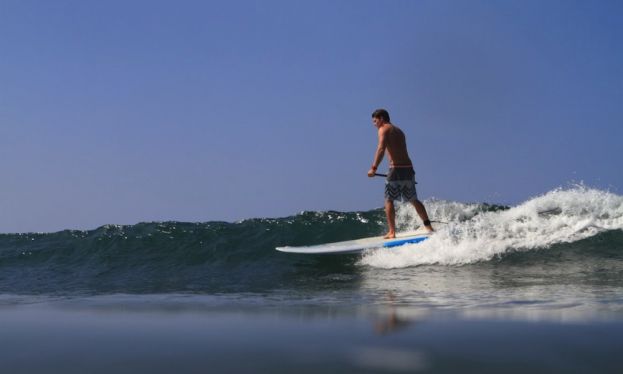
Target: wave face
(222, 258)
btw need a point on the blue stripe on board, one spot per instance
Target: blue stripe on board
(404, 241)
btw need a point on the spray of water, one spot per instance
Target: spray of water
(559, 216)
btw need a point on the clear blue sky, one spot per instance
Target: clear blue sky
(128, 111)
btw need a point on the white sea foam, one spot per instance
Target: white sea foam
(560, 216)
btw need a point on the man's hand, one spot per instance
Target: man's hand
(371, 173)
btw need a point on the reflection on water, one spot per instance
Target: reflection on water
(535, 291)
(112, 335)
(391, 321)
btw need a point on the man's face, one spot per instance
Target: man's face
(377, 122)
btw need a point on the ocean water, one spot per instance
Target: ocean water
(537, 286)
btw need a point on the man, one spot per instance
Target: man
(400, 181)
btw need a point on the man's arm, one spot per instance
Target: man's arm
(380, 152)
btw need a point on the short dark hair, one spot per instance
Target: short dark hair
(382, 114)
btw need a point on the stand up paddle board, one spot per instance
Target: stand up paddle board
(359, 245)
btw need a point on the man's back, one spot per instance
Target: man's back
(396, 144)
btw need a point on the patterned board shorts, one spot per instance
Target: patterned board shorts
(400, 184)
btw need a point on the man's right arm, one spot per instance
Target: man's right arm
(380, 152)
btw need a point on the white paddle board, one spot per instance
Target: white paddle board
(359, 245)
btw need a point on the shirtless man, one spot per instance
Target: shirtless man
(400, 181)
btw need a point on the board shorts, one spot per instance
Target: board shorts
(400, 184)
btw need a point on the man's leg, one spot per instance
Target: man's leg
(421, 211)
(390, 212)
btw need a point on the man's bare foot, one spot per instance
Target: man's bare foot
(429, 229)
(390, 235)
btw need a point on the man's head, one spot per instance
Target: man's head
(380, 117)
